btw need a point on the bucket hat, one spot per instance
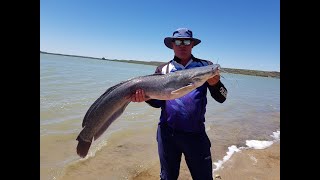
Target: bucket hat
(182, 33)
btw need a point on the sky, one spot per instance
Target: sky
(242, 34)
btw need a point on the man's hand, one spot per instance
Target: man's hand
(213, 81)
(139, 96)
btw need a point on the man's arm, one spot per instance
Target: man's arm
(218, 91)
(216, 88)
(155, 103)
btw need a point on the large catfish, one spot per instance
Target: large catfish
(110, 105)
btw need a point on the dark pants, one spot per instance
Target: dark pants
(194, 146)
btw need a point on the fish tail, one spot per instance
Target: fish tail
(82, 147)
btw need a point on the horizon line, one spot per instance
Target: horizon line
(140, 60)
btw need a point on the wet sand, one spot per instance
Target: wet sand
(132, 154)
(255, 164)
(153, 172)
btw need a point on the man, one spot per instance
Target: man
(181, 128)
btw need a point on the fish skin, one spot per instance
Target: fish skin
(111, 104)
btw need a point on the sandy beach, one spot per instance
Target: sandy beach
(253, 164)
(250, 164)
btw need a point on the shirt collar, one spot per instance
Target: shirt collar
(176, 62)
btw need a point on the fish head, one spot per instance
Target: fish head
(202, 74)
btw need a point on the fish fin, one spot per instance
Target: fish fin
(102, 129)
(82, 147)
(90, 110)
(110, 120)
(184, 89)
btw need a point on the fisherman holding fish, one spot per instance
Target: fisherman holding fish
(181, 128)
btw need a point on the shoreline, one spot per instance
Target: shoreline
(246, 164)
(272, 74)
(252, 164)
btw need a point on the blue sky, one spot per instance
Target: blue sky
(241, 34)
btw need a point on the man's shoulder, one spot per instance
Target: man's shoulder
(163, 64)
(160, 67)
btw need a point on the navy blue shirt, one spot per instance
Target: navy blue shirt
(187, 113)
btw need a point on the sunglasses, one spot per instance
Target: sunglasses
(185, 42)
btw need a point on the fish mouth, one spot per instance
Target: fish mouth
(79, 138)
(83, 147)
(215, 73)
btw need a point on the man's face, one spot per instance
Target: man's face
(182, 48)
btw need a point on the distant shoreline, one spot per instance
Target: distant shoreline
(273, 74)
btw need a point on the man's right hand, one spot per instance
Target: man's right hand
(139, 96)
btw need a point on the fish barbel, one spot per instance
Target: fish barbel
(111, 104)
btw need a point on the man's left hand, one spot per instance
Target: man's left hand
(213, 81)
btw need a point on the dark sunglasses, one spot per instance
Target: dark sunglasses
(185, 42)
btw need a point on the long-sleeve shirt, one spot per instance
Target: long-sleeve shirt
(187, 113)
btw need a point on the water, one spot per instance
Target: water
(69, 85)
